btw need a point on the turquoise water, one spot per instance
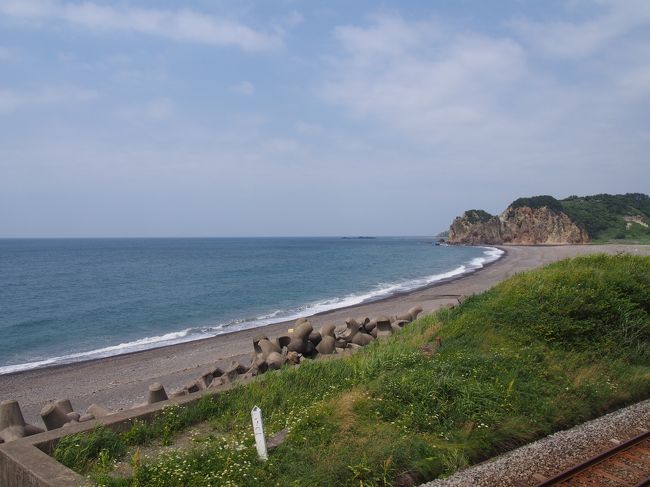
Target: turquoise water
(66, 300)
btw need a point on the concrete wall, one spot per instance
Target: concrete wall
(27, 462)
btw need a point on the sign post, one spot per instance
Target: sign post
(258, 429)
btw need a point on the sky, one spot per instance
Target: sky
(128, 118)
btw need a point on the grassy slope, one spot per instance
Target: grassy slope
(540, 352)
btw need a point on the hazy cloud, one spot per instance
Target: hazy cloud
(422, 80)
(157, 110)
(181, 25)
(245, 88)
(580, 38)
(11, 100)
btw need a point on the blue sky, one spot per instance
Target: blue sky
(215, 118)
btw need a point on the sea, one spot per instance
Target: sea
(69, 300)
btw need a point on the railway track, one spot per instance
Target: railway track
(625, 465)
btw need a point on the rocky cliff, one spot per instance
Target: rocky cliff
(475, 227)
(521, 225)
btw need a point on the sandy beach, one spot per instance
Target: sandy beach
(121, 381)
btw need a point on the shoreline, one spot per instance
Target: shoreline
(121, 381)
(283, 321)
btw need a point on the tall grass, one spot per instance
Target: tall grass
(540, 352)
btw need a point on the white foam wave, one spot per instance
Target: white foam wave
(383, 290)
(134, 346)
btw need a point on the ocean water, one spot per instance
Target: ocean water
(67, 300)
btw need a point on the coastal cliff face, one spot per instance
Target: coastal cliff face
(475, 227)
(528, 226)
(521, 226)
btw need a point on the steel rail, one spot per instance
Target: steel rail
(596, 460)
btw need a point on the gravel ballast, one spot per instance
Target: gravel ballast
(555, 453)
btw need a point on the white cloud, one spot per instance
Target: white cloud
(635, 83)
(308, 128)
(388, 36)
(158, 110)
(245, 88)
(421, 80)
(580, 38)
(487, 106)
(181, 25)
(11, 100)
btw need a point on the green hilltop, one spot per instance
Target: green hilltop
(605, 217)
(608, 217)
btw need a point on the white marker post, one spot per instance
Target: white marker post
(258, 429)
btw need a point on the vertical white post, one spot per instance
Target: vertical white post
(258, 429)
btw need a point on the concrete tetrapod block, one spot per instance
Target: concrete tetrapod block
(54, 417)
(12, 423)
(94, 411)
(341, 343)
(234, 371)
(263, 347)
(351, 330)
(257, 367)
(362, 320)
(414, 312)
(400, 323)
(65, 405)
(310, 350)
(276, 360)
(157, 393)
(315, 337)
(370, 325)
(303, 329)
(327, 330)
(206, 379)
(97, 410)
(283, 341)
(293, 358)
(362, 339)
(384, 328)
(192, 387)
(326, 345)
(10, 414)
(300, 337)
(401, 317)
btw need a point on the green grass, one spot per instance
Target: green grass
(540, 352)
(602, 216)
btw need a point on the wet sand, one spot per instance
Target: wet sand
(121, 381)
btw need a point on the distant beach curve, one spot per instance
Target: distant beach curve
(92, 299)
